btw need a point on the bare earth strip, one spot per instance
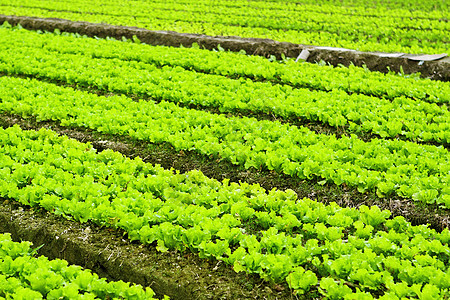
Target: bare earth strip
(437, 70)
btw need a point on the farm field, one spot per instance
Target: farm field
(397, 26)
(205, 174)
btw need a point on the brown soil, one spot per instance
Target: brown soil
(437, 70)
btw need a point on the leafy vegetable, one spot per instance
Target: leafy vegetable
(345, 252)
(361, 25)
(24, 276)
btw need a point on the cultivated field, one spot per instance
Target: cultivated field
(401, 25)
(202, 174)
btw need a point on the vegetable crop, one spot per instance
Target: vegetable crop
(405, 27)
(402, 116)
(411, 170)
(24, 275)
(300, 241)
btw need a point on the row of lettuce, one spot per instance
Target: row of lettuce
(317, 17)
(399, 8)
(24, 275)
(410, 170)
(313, 247)
(99, 65)
(307, 24)
(237, 66)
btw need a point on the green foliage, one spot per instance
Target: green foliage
(301, 242)
(390, 166)
(23, 276)
(419, 26)
(333, 289)
(301, 280)
(344, 253)
(340, 97)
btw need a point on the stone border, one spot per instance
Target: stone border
(437, 69)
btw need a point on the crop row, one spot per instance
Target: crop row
(402, 5)
(274, 234)
(25, 276)
(300, 21)
(413, 119)
(413, 171)
(435, 11)
(366, 37)
(298, 75)
(307, 18)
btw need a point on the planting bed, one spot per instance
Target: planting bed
(103, 267)
(221, 175)
(107, 253)
(185, 161)
(363, 25)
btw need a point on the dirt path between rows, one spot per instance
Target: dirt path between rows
(436, 70)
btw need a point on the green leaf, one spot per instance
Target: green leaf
(301, 280)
